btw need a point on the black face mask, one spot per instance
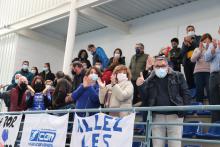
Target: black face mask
(73, 72)
(38, 87)
(23, 86)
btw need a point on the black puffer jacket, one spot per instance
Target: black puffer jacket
(177, 89)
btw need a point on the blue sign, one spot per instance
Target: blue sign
(42, 136)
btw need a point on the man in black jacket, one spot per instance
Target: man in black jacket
(191, 41)
(78, 73)
(165, 87)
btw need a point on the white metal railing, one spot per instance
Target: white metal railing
(146, 136)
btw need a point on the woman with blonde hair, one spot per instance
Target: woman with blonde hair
(118, 94)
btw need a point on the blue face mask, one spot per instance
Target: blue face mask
(94, 77)
(161, 72)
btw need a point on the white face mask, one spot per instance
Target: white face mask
(122, 77)
(204, 45)
(25, 67)
(16, 81)
(33, 71)
(117, 55)
(161, 72)
(98, 66)
(191, 33)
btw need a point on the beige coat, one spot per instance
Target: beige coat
(121, 97)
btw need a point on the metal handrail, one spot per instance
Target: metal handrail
(134, 109)
(148, 124)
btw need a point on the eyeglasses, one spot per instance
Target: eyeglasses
(160, 66)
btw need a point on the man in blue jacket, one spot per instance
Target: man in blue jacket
(98, 54)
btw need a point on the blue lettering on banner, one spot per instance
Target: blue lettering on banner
(95, 140)
(105, 137)
(106, 121)
(100, 123)
(115, 127)
(86, 126)
(83, 125)
(96, 123)
(42, 136)
(79, 127)
(83, 142)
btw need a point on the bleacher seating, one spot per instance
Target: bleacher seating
(190, 131)
(213, 133)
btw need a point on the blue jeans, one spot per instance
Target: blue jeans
(202, 83)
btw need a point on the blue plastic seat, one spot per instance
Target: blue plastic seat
(192, 145)
(139, 129)
(136, 144)
(213, 133)
(203, 112)
(190, 131)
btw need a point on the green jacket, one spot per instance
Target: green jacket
(137, 65)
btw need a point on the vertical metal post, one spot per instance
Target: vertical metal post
(148, 129)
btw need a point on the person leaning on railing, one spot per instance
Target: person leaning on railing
(86, 95)
(38, 95)
(15, 99)
(164, 87)
(119, 93)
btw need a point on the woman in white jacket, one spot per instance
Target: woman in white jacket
(119, 93)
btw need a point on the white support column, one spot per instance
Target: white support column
(70, 38)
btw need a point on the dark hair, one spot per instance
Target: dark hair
(63, 86)
(98, 60)
(36, 70)
(60, 74)
(190, 26)
(35, 79)
(25, 62)
(205, 36)
(48, 65)
(161, 58)
(113, 65)
(141, 44)
(77, 63)
(68, 78)
(96, 69)
(91, 45)
(120, 51)
(175, 40)
(81, 51)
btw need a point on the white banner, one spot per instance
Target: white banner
(9, 127)
(44, 130)
(101, 130)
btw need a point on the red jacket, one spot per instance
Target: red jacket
(14, 100)
(106, 76)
